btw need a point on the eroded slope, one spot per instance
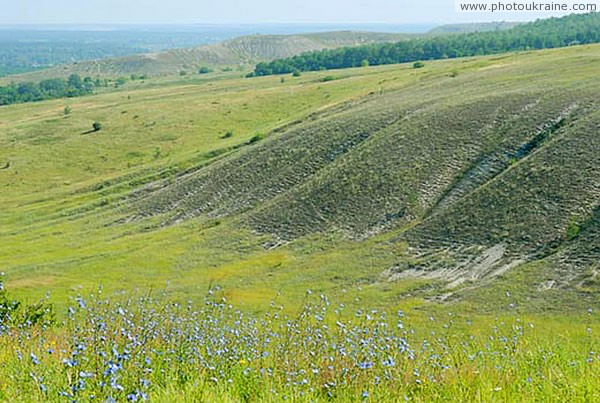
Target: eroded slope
(487, 170)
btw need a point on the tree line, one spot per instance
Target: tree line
(541, 34)
(73, 86)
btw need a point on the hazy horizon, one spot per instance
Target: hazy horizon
(233, 12)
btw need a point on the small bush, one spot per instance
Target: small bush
(255, 139)
(574, 228)
(204, 70)
(97, 126)
(418, 65)
(296, 73)
(327, 78)
(227, 134)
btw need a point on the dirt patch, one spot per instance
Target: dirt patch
(488, 263)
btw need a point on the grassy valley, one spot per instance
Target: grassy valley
(424, 233)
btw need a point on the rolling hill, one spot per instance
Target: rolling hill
(435, 182)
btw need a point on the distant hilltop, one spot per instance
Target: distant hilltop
(473, 27)
(243, 50)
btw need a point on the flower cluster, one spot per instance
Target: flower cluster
(125, 349)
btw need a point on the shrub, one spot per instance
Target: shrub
(296, 73)
(204, 70)
(97, 126)
(15, 313)
(573, 228)
(255, 139)
(418, 65)
(227, 134)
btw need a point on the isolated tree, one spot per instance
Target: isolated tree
(97, 126)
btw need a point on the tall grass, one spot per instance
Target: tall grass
(148, 347)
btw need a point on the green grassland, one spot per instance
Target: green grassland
(64, 184)
(345, 169)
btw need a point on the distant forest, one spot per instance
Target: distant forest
(541, 34)
(53, 88)
(17, 57)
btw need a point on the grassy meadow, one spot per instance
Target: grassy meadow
(207, 309)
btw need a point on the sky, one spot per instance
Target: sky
(240, 11)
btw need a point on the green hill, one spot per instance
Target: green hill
(461, 179)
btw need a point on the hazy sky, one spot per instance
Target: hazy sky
(246, 11)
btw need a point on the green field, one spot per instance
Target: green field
(469, 186)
